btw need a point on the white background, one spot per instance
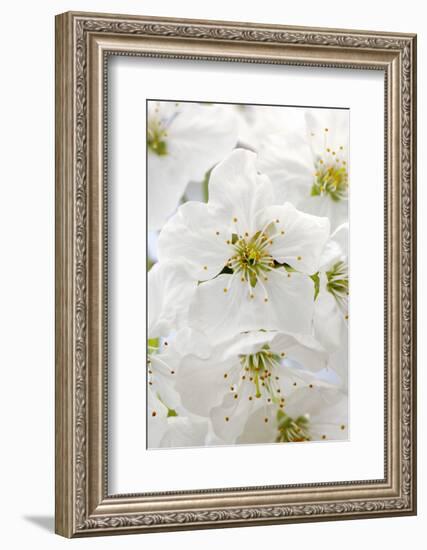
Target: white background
(27, 320)
(362, 457)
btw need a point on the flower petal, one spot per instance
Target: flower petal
(313, 401)
(196, 137)
(165, 362)
(341, 238)
(238, 192)
(156, 419)
(331, 254)
(328, 128)
(289, 305)
(327, 320)
(287, 160)
(257, 429)
(270, 120)
(188, 341)
(338, 361)
(311, 358)
(166, 184)
(194, 235)
(201, 382)
(336, 212)
(303, 240)
(326, 408)
(248, 343)
(169, 293)
(229, 419)
(290, 302)
(185, 432)
(202, 135)
(216, 308)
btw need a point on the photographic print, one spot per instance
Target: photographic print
(248, 285)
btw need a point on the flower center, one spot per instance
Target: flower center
(292, 430)
(251, 257)
(262, 369)
(331, 176)
(337, 283)
(156, 137)
(260, 376)
(332, 181)
(158, 124)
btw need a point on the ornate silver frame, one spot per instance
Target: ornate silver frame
(83, 43)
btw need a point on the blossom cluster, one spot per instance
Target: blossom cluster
(248, 274)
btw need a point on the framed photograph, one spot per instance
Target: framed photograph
(235, 274)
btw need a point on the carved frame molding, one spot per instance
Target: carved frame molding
(83, 44)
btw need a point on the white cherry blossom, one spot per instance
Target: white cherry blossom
(170, 424)
(252, 257)
(308, 164)
(251, 371)
(184, 141)
(317, 413)
(332, 288)
(169, 293)
(163, 358)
